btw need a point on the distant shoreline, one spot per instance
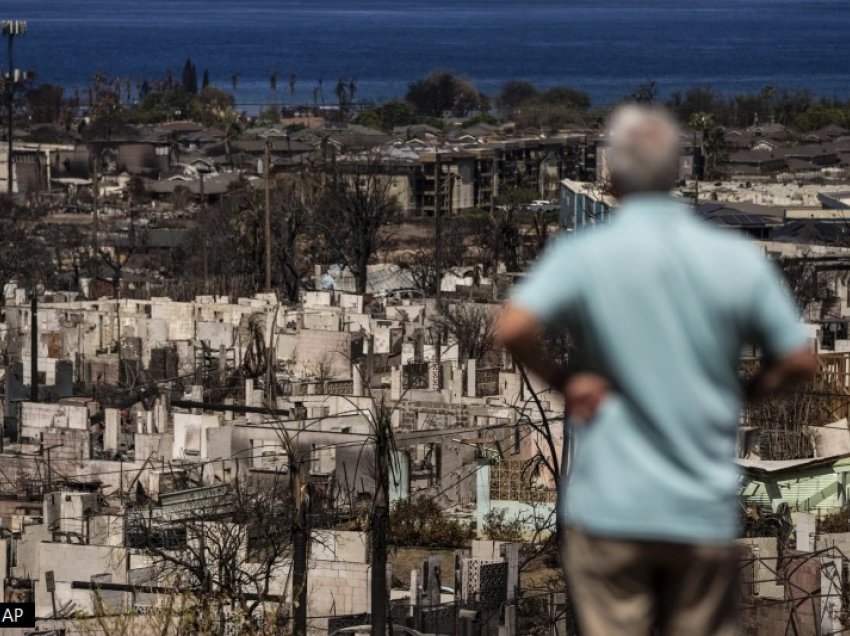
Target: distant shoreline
(602, 47)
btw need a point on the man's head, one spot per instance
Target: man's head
(643, 150)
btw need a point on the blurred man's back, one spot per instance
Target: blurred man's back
(659, 305)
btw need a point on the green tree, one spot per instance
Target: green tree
(444, 92)
(558, 107)
(565, 96)
(712, 141)
(388, 116)
(421, 522)
(212, 107)
(269, 116)
(369, 119)
(497, 526)
(44, 103)
(698, 99)
(190, 78)
(513, 94)
(820, 116)
(397, 113)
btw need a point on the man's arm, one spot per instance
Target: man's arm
(775, 328)
(781, 374)
(519, 332)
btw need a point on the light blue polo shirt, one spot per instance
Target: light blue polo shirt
(661, 304)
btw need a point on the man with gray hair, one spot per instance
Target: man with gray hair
(659, 305)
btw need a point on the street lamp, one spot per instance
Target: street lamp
(11, 29)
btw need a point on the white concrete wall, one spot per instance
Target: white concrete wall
(317, 299)
(215, 334)
(36, 415)
(323, 321)
(190, 439)
(324, 347)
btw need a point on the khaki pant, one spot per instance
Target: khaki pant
(631, 588)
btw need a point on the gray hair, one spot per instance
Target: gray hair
(644, 149)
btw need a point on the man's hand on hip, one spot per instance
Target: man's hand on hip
(584, 394)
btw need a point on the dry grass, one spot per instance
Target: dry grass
(406, 559)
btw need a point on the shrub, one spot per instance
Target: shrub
(497, 527)
(421, 522)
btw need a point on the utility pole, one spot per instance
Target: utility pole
(10, 105)
(299, 539)
(96, 221)
(438, 227)
(697, 159)
(11, 28)
(95, 196)
(696, 192)
(34, 346)
(494, 183)
(50, 584)
(379, 529)
(204, 216)
(49, 465)
(267, 173)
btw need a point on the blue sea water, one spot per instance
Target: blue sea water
(604, 47)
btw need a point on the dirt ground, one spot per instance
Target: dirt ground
(406, 559)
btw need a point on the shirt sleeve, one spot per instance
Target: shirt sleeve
(775, 327)
(553, 283)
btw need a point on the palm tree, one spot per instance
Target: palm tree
(97, 81)
(174, 145)
(234, 81)
(715, 149)
(293, 80)
(712, 140)
(768, 95)
(702, 122)
(273, 80)
(341, 94)
(232, 129)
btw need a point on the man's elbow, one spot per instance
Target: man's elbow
(798, 367)
(506, 336)
(514, 329)
(807, 365)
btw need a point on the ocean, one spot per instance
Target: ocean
(603, 47)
